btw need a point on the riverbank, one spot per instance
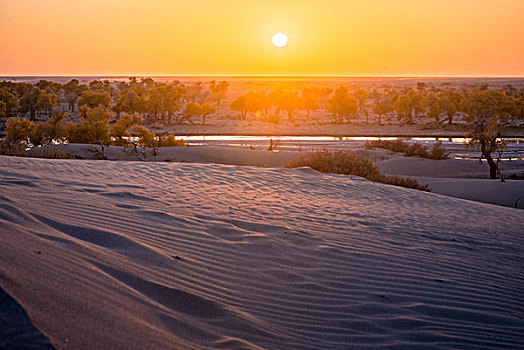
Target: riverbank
(224, 126)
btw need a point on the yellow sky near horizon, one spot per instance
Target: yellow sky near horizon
(233, 37)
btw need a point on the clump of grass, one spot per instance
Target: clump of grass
(437, 151)
(398, 146)
(171, 141)
(402, 182)
(350, 163)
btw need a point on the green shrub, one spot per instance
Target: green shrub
(410, 150)
(438, 151)
(393, 145)
(416, 149)
(350, 163)
(18, 133)
(93, 129)
(146, 138)
(402, 182)
(171, 141)
(337, 162)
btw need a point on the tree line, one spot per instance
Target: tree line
(156, 102)
(345, 106)
(108, 113)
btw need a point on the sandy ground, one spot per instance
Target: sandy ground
(465, 179)
(156, 255)
(323, 126)
(208, 154)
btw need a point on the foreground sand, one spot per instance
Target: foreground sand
(126, 255)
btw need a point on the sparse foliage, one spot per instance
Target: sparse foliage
(350, 163)
(485, 111)
(342, 104)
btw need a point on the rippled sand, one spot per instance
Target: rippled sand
(107, 255)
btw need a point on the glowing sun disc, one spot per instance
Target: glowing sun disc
(280, 40)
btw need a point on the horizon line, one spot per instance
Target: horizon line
(267, 75)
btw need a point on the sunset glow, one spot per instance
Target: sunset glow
(230, 37)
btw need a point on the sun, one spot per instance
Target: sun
(280, 40)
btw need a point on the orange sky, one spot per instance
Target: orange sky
(233, 37)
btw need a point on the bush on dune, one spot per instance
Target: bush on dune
(398, 146)
(337, 162)
(437, 151)
(172, 141)
(350, 163)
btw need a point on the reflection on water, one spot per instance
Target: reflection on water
(455, 145)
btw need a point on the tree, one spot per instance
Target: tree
(118, 130)
(433, 104)
(49, 86)
(146, 138)
(205, 110)
(485, 111)
(342, 104)
(218, 91)
(100, 85)
(195, 93)
(240, 105)
(382, 108)
(35, 99)
(72, 92)
(17, 139)
(93, 129)
(309, 100)
(164, 100)
(46, 101)
(323, 97)
(8, 103)
(147, 82)
(192, 109)
(29, 102)
(94, 98)
(131, 100)
(450, 102)
(421, 86)
(409, 105)
(50, 132)
(362, 96)
(404, 108)
(258, 101)
(288, 102)
(518, 105)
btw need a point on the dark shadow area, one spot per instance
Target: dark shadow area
(16, 329)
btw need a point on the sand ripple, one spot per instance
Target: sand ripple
(181, 256)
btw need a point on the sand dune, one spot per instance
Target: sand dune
(461, 178)
(207, 154)
(126, 255)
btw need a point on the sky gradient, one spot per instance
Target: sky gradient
(233, 37)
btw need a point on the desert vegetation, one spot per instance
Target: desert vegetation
(93, 128)
(437, 151)
(173, 103)
(350, 163)
(109, 112)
